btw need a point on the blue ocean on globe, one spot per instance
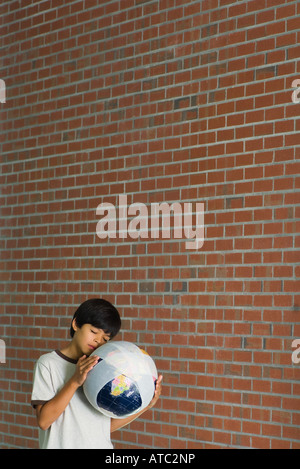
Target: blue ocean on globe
(120, 396)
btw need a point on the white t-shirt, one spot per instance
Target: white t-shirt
(80, 426)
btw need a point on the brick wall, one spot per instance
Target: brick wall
(165, 101)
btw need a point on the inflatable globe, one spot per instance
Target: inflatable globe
(123, 381)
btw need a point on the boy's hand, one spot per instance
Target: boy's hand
(157, 392)
(83, 366)
(119, 423)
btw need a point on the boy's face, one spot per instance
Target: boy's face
(88, 338)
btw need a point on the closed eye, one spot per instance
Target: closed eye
(106, 339)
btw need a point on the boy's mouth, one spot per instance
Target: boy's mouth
(91, 347)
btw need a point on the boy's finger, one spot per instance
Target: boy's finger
(93, 359)
(81, 359)
(90, 362)
(158, 382)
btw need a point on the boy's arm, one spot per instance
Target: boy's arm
(116, 424)
(51, 410)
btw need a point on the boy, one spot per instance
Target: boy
(66, 420)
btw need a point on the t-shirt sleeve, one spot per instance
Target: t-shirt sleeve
(43, 389)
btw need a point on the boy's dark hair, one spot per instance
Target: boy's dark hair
(100, 313)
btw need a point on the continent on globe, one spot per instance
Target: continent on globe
(119, 385)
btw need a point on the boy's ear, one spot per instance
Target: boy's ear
(74, 325)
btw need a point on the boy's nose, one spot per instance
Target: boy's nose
(99, 339)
